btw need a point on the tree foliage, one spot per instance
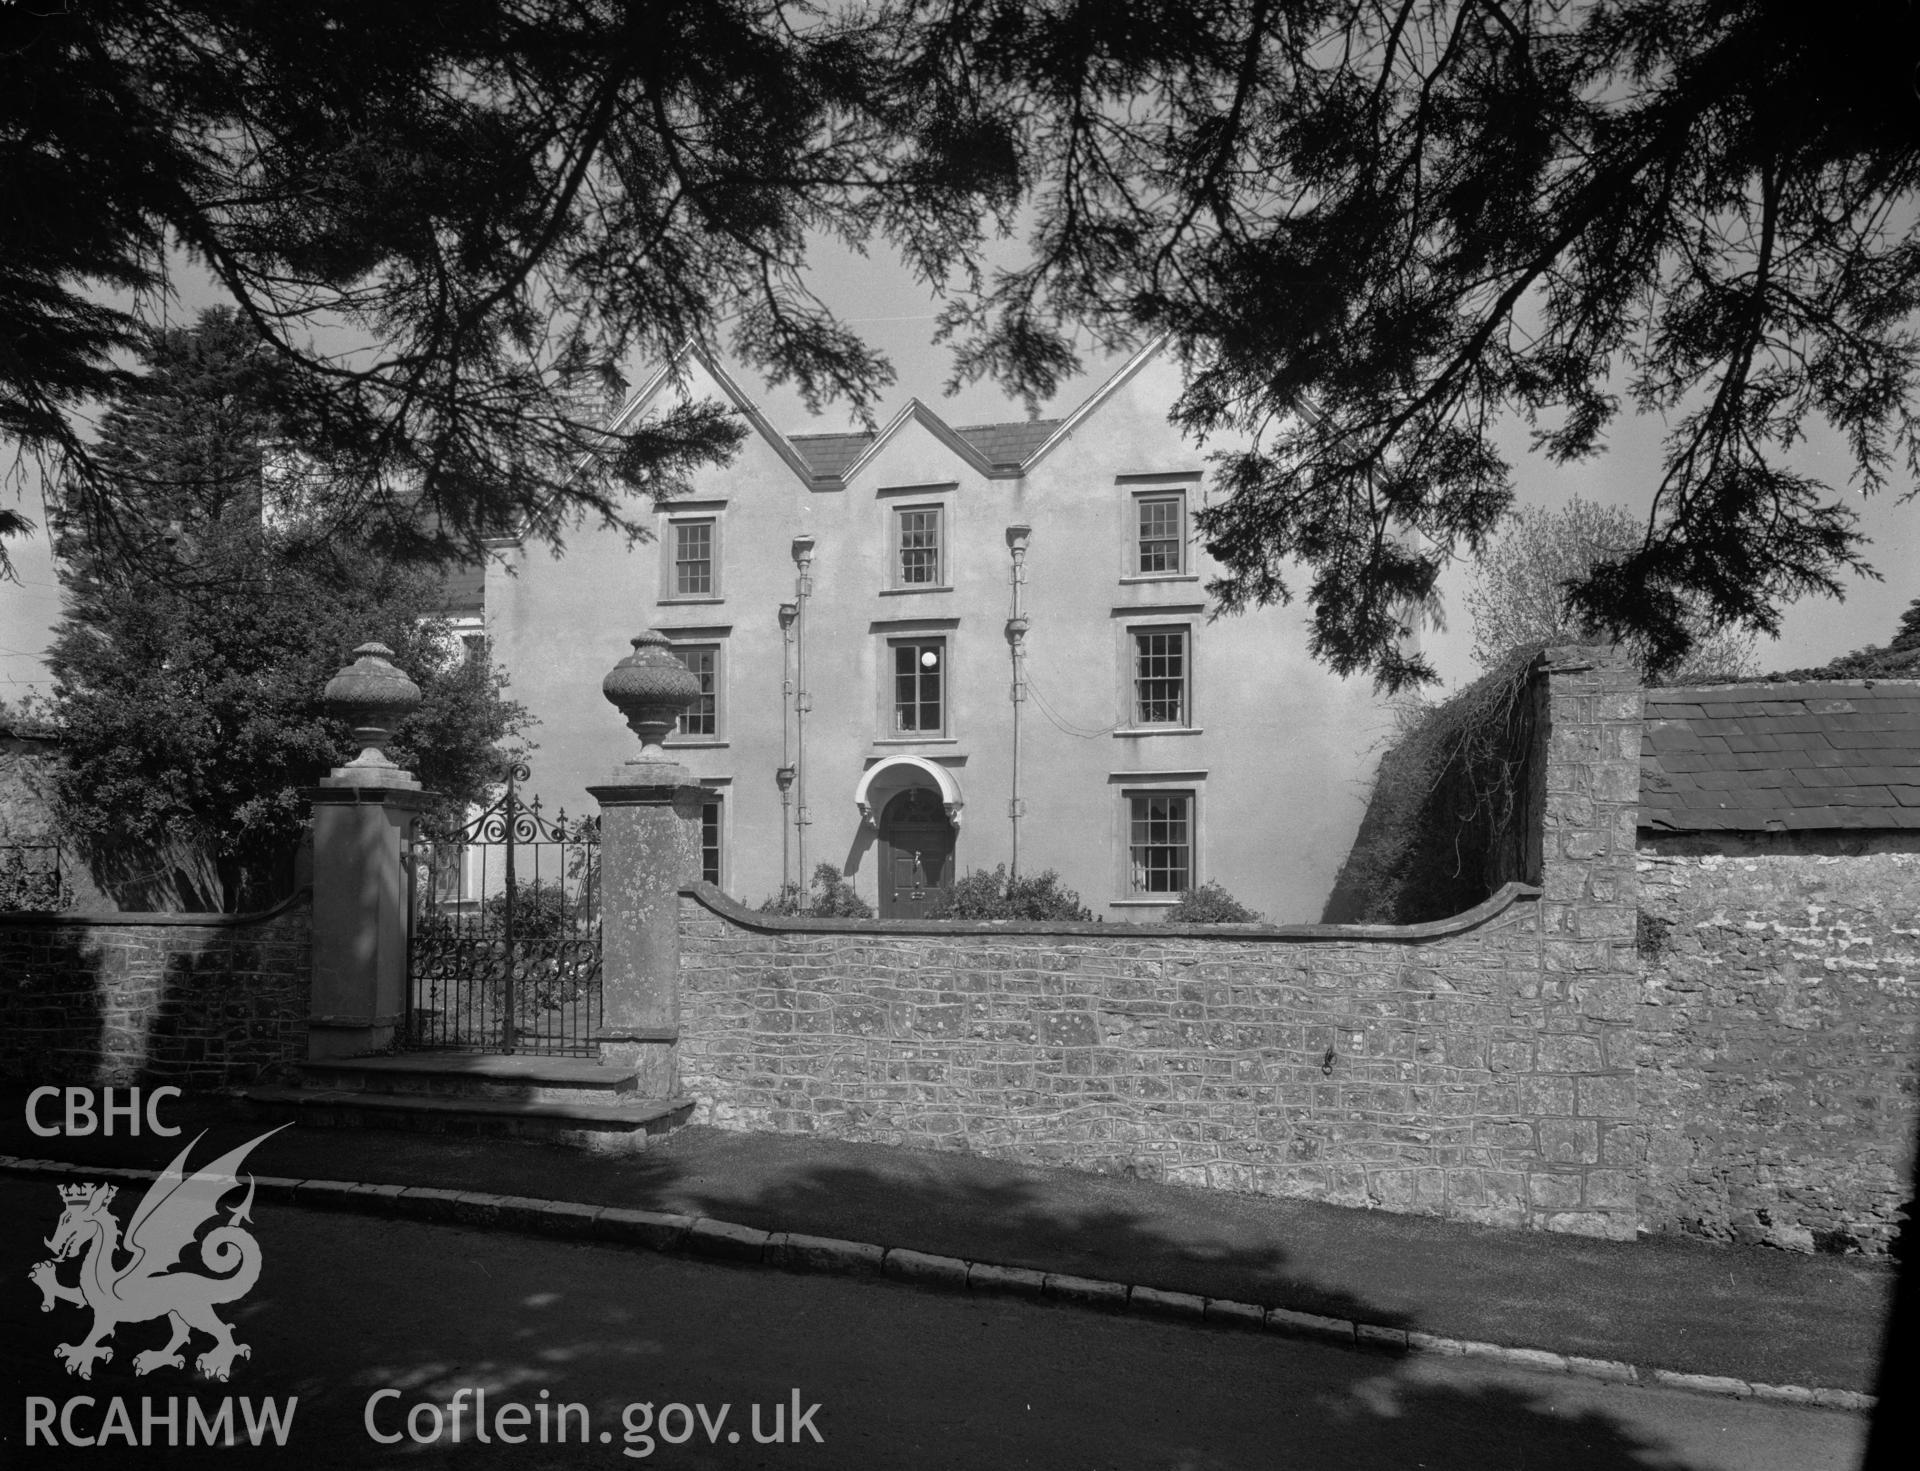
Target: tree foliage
(1898, 658)
(1523, 575)
(189, 689)
(1372, 227)
(1368, 228)
(505, 200)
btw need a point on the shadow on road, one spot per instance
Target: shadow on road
(350, 1306)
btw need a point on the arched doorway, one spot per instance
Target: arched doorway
(916, 853)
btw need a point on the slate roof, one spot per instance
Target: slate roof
(828, 455)
(1781, 757)
(1009, 444)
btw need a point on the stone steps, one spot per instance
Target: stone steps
(559, 1100)
(518, 1078)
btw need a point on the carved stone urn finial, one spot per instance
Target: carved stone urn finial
(373, 697)
(650, 688)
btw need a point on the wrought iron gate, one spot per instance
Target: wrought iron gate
(503, 951)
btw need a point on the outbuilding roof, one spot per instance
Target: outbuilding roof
(1781, 757)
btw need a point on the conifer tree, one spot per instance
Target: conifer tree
(188, 679)
(1370, 229)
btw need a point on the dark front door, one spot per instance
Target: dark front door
(916, 853)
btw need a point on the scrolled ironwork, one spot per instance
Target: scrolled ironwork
(525, 821)
(505, 949)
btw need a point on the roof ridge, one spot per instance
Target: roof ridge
(957, 428)
(1052, 431)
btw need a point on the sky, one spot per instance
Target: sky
(881, 300)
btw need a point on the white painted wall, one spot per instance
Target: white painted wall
(1278, 756)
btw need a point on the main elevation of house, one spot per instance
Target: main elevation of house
(930, 650)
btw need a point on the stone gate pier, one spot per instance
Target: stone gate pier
(649, 848)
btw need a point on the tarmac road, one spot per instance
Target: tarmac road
(347, 1308)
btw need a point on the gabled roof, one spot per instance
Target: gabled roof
(1010, 444)
(828, 455)
(832, 461)
(1001, 445)
(1781, 757)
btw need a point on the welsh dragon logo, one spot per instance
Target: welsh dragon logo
(140, 1278)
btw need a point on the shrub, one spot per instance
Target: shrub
(1210, 904)
(832, 897)
(998, 895)
(540, 911)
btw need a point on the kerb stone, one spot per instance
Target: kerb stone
(801, 1253)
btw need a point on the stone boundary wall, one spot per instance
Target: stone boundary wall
(1707, 1033)
(206, 999)
(1778, 1037)
(1480, 1068)
(1449, 1072)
